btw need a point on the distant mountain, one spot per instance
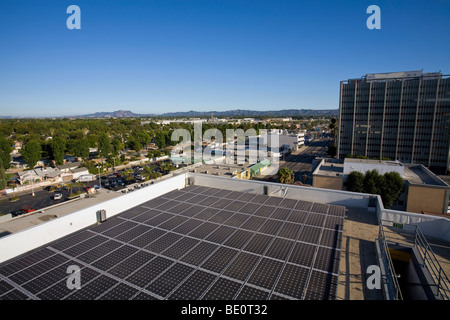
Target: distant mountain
(254, 113)
(114, 114)
(230, 113)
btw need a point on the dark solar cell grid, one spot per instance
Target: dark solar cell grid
(170, 279)
(199, 253)
(250, 293)
(59, 290)
(266, 273)
(47, 279)
(181, 247)
(220, 234)
(271, 226)
(25, 261)
(246, 197)
(303, 205)
(5, 287)
(241, 266)
(222, 289)
(204, 230)
(93, 289)
(273, 201)
(72, 240)
(315, 219)
(207, 213)
(321, 286)
(133, 233)
(258, 243)
(292, 281)
(121, 291)
(289, 230)
(193, 287)
(163, 242)
(221, 193)
(149, 271)
(320, 208)
(253, 223)
(219, 259)
(131, 264)
(167, 205)
(279, 249)
(157, 220)
(210, 191)
(264, 211)
(249, 208)
(288, 203)
(133, 212)
(259, 199)
(239, 239)
(235, 205)
(208, 201)
(148, 237)
(303, 254)
(125, 226)
(310, 234)
(327, 260)
(297, 216)
(173, 223)
(180, 207)
(192, 211)
(188, 226)
(99, 251)
(115, 257)
(331, 238)
(237, 220)
(37, 269)
(14, 295)
(280, 213)
(294, 237)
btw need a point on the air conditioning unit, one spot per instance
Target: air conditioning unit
(101, 216)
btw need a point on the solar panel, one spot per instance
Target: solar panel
(194, 243)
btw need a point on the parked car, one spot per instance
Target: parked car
(57, 196)
(16, 213)
(28, 209)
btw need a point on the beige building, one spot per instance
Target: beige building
(424, 191)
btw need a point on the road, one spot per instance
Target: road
(300, 162)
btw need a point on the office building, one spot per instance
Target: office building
(402, 116)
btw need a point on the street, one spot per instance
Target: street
(300, 162)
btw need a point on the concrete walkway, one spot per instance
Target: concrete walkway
(45, 214)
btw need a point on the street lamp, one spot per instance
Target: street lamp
(99, 181)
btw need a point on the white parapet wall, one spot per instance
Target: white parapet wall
(23, 241)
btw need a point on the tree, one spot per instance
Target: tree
(373, 182)
(104, 144)
(58, 148)
(32, 153)
(393, 186)
(81, 148)
(355, 182)
(5, 150)
(3, 177)
(285, 175)
(332, 150)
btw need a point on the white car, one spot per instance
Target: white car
(57, 196)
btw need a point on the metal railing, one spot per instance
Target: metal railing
(390, 271)
(412, 236)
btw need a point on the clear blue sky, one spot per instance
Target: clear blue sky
(155, 56)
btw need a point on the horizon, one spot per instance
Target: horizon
(156, 57)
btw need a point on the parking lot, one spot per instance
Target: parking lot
(123, 180)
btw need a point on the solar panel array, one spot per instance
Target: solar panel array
(193, 243)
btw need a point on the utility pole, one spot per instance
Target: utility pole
(99, 181)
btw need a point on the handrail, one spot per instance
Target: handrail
(430, 262)
(385, 249)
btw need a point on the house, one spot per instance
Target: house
(67, 167)
(78, 172)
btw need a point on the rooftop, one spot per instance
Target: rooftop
(196, 236)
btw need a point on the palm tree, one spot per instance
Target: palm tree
(286, 175)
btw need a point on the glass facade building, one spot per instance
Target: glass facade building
(403, 116)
